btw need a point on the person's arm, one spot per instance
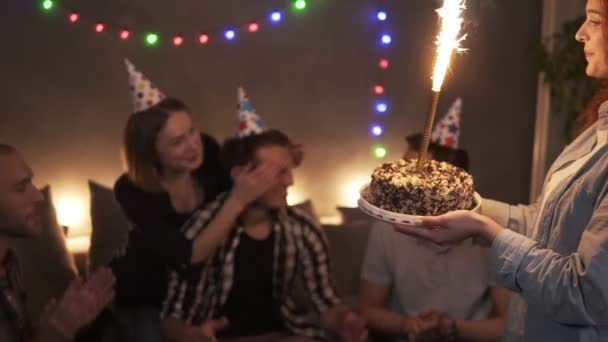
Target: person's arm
(519, 218)
(169, 241)
(376, 280)
(314, 259)
(81, 303)
(571, 289)
(490, 329)
(373, 300)
(211, 236)
(207, 232)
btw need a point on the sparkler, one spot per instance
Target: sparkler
(448, 41)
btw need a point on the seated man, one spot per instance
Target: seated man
(412, 288)
(82, 301)
(246, 287)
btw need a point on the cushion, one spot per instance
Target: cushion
(46, 264)
(347, 246)
(109, 226)
(307, 207)
(354, 215)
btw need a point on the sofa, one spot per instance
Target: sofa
(347, 242)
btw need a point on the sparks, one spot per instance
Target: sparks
(448, 39)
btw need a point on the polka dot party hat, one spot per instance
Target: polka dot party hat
(249, 121)
(145, 94)
(447, 131)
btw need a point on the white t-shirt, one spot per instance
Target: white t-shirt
(423, 275)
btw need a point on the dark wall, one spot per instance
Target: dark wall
(65, 97)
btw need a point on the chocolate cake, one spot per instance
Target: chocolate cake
(438, 189)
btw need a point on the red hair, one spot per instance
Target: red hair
(589, 115)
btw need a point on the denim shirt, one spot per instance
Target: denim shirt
(557, 264)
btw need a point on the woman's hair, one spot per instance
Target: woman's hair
(242, 151)
(456, 157)
(590, 114)
(140, 156)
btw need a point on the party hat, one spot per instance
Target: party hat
(145, 94)
(249, 121)
(447, 131)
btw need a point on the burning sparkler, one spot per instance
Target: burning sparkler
(448, 41)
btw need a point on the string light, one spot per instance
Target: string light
(229, 34)
(178, 40)
(383, 64)
(203, 39)
(376, 130)
(276, 16)
(380, 151)
(386, 39)
(300, 4)
(381, 107)
(47, 5)
(152, 39)
(253, 27)
(125, 34)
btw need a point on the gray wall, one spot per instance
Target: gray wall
(65, 97)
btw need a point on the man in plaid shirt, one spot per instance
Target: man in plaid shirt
(19, 217)
(244, 291)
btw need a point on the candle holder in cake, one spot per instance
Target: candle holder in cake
(447, 42)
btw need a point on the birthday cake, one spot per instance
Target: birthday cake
(438, 189)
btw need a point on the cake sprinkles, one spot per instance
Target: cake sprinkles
(438, 189)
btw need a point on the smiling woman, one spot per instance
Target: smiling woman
(593, 35)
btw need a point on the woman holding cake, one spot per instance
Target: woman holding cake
(553, 253)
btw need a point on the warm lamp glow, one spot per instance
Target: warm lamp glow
(70, 211)
(72, 208)
(78, 244)
(294, 196)
(350, 191)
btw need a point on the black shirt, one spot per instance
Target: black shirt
(156, 243)
(250, 307)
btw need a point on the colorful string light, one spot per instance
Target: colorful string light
(300, 4)
(125, 34)
(155, 39)
(47, 5)
(152, 39)
(74, 17)
(378, 88)
(99, 27)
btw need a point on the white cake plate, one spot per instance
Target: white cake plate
(391, 217)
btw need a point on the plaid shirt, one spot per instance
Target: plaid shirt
(198, 292)
(14, 322)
